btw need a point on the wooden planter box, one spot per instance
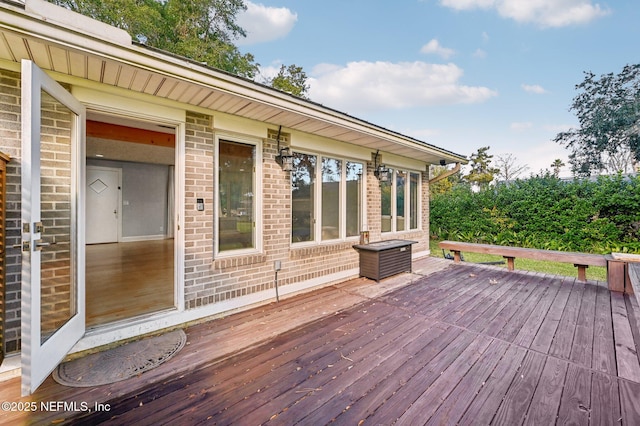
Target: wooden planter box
(384, 258)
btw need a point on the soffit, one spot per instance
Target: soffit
(136, 68)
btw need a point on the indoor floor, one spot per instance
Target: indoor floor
(125, 280)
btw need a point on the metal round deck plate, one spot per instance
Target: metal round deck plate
(120, 363)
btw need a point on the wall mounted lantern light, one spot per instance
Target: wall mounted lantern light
(380, 170)
(284, 157)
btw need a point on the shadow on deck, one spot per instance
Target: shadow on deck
(448, 344)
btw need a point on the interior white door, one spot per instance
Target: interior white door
(53, 288)
(103, 204)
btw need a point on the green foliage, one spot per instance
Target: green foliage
(544, 212)
(481, 173)
(291, 79)
(445, 185)
(202, 30)
(608, 111)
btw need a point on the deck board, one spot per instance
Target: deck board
(626, 356)
(547, 331)
(575, 404)
(563, 339)
(603, 344)
(462, 344)
(546, 399)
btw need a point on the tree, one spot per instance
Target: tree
(202, 30)
(556, 166)
(445, 185)
(291, 79)
(608, 112)
(508, 168)
(481, 173)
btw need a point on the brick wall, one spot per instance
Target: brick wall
(10, 144)
(211, 280)
(207, 279)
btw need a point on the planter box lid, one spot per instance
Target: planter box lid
(384, 245)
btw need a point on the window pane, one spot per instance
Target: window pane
(302, 197)
(385, 189)
(400, 197)
(354, 198)
(58, 296)
(331, 177)
(236, 216)
(413, 200)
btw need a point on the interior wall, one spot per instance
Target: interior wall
(144, 198)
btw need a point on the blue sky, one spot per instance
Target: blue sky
(460, 74)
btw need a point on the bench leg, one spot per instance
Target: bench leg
(511, 264)
(582, 272)
(456, 256)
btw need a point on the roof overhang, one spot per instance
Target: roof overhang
(43, 33)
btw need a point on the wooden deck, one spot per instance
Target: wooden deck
(462, 345)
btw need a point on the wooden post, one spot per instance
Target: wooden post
(511, 262)
(582, 272)
(456, 256)
(616, 274)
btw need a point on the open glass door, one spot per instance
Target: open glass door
(53, 132)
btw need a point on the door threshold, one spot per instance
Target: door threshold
(11, 367)
(124, 329)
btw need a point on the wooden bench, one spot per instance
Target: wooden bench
(580, 260)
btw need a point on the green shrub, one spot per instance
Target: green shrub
(544, 212)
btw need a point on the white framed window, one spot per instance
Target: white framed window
(238, 219)
(326, 198)
(400, 201)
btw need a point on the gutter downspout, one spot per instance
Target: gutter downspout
(445, 175)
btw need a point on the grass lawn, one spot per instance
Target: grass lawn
(556, 268)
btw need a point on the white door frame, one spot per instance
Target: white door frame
(111, 332)
(39, 358)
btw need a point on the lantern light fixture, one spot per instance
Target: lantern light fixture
(380, 170)
(284, 157)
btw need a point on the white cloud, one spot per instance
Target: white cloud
(480, 54)
(367, 86)
(540, 155)
(263, 23)
(518, 127)
(434, 47)
(546, 13)
(534, 88)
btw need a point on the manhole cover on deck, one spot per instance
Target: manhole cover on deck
(120, 363)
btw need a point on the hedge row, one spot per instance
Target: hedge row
(544, 212)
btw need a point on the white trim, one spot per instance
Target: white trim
(143, 238)
(257, 199)
(179, 206)
(119, 106)
(128, 106)
(148, 324)
(407, 201)
(317, 213)
(324, 146)
(39, 358)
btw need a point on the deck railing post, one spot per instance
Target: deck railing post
(616, 274)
